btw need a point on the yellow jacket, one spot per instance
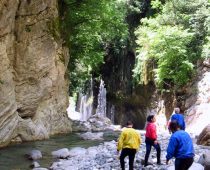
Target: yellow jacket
(129, 138)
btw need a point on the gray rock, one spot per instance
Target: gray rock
(92, 136)
(61, 153)
(205, 160)
(39, 169)
(77, 151)
(35, 155)
(35, 165)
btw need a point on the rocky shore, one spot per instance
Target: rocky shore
(105, 157)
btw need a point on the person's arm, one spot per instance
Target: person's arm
(120, 142)
(171, 148)
(183, 124)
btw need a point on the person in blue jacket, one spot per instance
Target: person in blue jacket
(181, 147)
(179, 118)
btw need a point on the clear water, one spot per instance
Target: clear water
(13, 157)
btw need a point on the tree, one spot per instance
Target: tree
(88, 26)
(173, 39)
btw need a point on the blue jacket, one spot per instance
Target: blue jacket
(180, 120)
(180, 145)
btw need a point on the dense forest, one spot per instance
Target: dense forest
(169, 39)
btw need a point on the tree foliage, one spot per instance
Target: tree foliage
(174, 39)
(88, 26)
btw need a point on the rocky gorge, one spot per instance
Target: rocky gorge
(33, 87)
(34, 84)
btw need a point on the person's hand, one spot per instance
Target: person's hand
(155, 142)
(118, 154)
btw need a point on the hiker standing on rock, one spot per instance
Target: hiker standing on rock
(129, 142)
(181, 147)
(151, 139)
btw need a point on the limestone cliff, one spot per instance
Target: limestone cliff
(33, 89)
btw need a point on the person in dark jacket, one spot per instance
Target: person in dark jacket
(179, 118)
(181, 147)
(151, 139)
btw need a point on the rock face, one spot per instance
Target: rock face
(198, 100)
(204, 137)
(33, 90)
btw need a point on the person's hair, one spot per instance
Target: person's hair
(129, 122)
(150, 117)
(174, 126)
(177, 110)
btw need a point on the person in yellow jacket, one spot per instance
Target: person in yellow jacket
(129, 142)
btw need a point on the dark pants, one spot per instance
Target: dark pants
(131, 154)
(149, 144)
(183, 164)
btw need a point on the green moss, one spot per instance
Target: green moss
(27, 28)
(1, 81)
(54, 28)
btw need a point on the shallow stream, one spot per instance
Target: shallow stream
(13, 156)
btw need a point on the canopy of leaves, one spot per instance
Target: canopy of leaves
(174, 40)
(88, 25)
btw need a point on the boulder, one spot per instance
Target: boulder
(61, 153)
(35, 165)
(77, 151)
(35, 155)
(92, 136)
(204, 137)
(205, 160)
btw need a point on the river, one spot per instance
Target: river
(13, 157)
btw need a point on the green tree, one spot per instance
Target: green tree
(88, 26)
(174, 40)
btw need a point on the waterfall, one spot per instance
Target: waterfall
(101, 107)
(84, 106)
(86, 103)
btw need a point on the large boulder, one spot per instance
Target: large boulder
(205, 160)
(204, 137)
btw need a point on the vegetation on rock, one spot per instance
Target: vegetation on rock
(173, 39)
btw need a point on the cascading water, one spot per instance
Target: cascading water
(84, 107)
(86, 104)
(101, 108)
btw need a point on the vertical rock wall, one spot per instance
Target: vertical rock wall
(197, 103)
(33, 89)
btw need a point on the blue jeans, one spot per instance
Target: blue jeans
(149, 144)
(183, 163)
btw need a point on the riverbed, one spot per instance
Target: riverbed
(13, 157)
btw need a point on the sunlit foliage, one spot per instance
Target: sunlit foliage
(174, 39)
